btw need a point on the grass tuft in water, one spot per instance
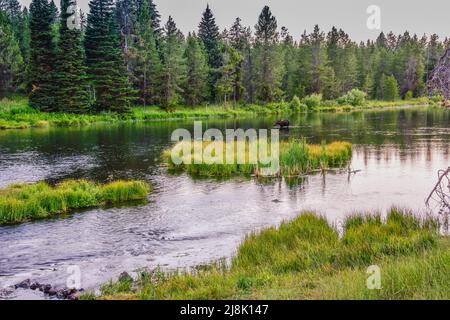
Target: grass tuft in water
(24, 202)
(296, 158)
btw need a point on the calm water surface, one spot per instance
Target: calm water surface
(193, 221)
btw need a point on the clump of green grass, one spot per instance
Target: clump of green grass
(307, 259)
(296, 158)
(24, 202)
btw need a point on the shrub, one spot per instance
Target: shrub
(354, 97)
(313, 101)
(409, 95)
(296, 105)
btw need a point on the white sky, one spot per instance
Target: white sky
(416, 16)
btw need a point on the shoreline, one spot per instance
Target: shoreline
(17, 115)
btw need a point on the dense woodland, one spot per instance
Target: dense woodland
(124, 55)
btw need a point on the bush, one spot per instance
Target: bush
(436, 99)
(313, 101)
(409, 95)
(296, 105)
(354, 97)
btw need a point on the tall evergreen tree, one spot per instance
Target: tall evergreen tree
(72, 95)
(147, 66)
(42, 57)
(173, 65)
(268, 76)
(106, 67)
(391, 89)
(229, 82)
(195, 87)
(209, 34)
(10, 56)
(239, 38)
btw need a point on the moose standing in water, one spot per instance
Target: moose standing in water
(283, 124)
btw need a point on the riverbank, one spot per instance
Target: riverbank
(26, 202)
(307, 259)
(17, 114)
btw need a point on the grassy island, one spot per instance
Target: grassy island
(25, 202)
(296, 158)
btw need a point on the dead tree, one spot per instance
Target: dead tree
(440, 195)
(439, 82)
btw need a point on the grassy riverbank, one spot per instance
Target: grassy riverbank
(16, 114)
(25, 202)
(296, 158)
(307, 259)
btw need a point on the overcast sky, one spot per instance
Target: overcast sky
(417, 16)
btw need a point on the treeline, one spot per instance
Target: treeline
(123, 54)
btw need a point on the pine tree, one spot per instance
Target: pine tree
(268, 77)
(42, 57)
(229, 81)
(209, 34)
(319, 59)
(195, 88)
(290, 77)
(173, 66)
(391, 92)
(10, 56)
(72, 95)
(106, 67)
(147, 66)
(239, 38)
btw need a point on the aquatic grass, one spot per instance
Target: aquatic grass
(120, 191)
(296, 158)
(24, 202)
(307, 259)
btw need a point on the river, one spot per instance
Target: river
(190, 221)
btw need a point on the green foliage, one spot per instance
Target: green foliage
(23, 202)
(391, 91)
(296, 105)
(354, 97)
(312, 101)
(10, 56)
(42, 57)
(208, 33)
(268, 72)
(146, 62)
(173, 73)
(72, 95)
(106, 69)
(195, 87)
(409, 95)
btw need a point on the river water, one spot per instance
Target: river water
(190, 221)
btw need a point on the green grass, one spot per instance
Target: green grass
(25, 202)
(15, 113)
(296, 158)
(308, 259)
